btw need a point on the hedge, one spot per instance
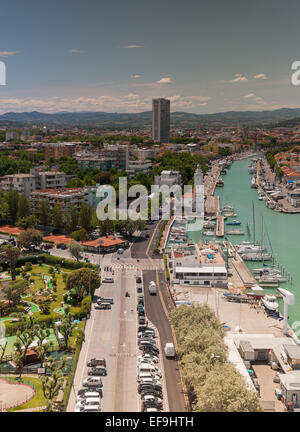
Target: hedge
(166, 267)
(51, 260)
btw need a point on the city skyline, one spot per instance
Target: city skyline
(204, 58)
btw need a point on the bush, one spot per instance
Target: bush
(28, 266)
(85, 305)
(18, 271)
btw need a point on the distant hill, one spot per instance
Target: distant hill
(144, 119)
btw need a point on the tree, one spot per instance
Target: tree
(224, 390)
(53, 383)
(85, 216)
(57, 216)
(65, 328)
(80, 235)
(83, 281)
(44, 213)
(43, 344)
(11, 255)
(23, 207)
(13, 202)
(14, 290)
(3, 346)
(21, 346)
(75, 249)
(27, 222)
(30, 237)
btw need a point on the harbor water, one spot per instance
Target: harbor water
(283, 230)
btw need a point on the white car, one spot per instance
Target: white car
(89, 401)
(150, 357)
(86, 395)
(149, 381)
(151, 398)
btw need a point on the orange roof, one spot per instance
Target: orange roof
(106, 241)
(58, 239)
(9, 229)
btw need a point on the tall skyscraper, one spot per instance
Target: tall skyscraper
(160, 120)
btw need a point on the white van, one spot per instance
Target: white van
(170, 350)
(150, 381)
(146, 367)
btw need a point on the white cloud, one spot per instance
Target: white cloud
(250, 95)
(260, 76)
(166, 80)
(200, 98)
(258, 99)
(174, 98)
(75, 51)
(239, 78)
(132, 46)
(8, 53)
(135, 76)
(132, 96)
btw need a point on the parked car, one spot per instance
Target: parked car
(108, 280)
(89, 401)
(143, 376)
(148, 357)
(96, 362)
(142, 320)
(152, 409)
(105, 300)
(139, 306)
(143, 387)
(141, 299)
(151, 392)
(120, 251)
(152, 398)
(146, 333)
(97, 371)
(88, 394)
(141, 312)
(146, 367)
(138, 279)
(92, 382)
(103, 305)
(83, 391)
(143, 328)
(139, 289)
(149, 381)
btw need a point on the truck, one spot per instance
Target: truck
(170, 350)
(152, 288)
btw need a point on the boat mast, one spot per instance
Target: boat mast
(253, 222)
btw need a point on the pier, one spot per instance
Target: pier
(220, 224)
(241, 275)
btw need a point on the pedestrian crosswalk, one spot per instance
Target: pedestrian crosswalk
(131, 264)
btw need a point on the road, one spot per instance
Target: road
(112, 334)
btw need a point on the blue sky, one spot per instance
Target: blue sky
(206, 56)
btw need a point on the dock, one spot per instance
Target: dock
(241, 275)
(220, 225)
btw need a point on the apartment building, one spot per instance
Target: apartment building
(67, 198)
(23, 183)
(168, 178)
(136, 166)
(59, 149)
(36, 179)
(11, 136)
(111, 156)
(160, 120)
(144, 153)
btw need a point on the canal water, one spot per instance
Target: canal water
(282, 229)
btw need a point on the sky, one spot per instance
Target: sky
(115, 56)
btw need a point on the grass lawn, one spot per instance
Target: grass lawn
(36, 274)
(12, 339)
(38, 399)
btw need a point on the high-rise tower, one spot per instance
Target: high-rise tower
(160, 120)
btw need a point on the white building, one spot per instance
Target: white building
(136, 166)
(168, 178)
(67, 198)
(191, 265)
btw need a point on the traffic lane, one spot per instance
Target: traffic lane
(139, 247)
(121, 390)
(126, 374)
(156, 314)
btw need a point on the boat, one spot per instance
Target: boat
(247, 247)
(234, 222)
(229, 214)
(266, 270)
(209, 233)
(220, 183)
(223, 171)
(253, 182)
(270, 303)
(227, 207)
(256, 292)
(260, 197)
(256, 256)
(270, 204)
(235, 232)
(270, 279)
(210, 224)
(239, 298)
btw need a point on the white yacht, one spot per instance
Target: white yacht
(247, 247)
(270, 303)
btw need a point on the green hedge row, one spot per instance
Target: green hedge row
(166, 267)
